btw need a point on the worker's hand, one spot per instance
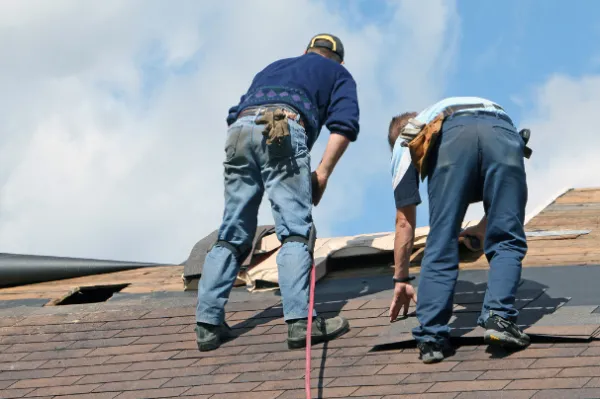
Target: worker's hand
(473, 231)
(403, 293)
(319, 182)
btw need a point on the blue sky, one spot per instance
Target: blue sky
(506, 50)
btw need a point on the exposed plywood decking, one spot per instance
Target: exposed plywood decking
(577, 209)
(145, 280)
(544, 205)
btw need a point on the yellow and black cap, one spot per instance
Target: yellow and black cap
(328, 41)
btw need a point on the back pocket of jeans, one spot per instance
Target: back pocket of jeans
(298, 138)
(512, 144)
(510, 134)
(291, 145)
(233, 136)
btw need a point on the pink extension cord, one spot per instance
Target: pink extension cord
(311, 306)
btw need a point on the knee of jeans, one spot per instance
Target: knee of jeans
(240, 248)
(293, 253)
(221, 252)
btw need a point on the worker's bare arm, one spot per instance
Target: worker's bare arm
(336, 146)
(406, 218)
(404, 239)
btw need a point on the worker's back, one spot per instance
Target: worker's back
(309, 83)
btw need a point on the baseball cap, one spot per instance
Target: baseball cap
(328, 41)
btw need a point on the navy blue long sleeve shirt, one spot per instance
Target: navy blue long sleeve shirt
(320, 89)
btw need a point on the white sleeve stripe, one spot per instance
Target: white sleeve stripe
(403, 166)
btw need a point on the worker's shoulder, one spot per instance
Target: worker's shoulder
(328, 64)
(311, 62)
(460, 100)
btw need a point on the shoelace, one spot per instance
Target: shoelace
(502, 323)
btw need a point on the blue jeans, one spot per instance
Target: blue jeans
(251, 168)
(478, 157)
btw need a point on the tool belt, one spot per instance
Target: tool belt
(421, 138)
(275, 117)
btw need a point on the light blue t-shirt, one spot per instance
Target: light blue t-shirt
(429, 113)
(405, 178)
(405, 181)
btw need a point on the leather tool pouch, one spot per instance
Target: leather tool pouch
(420, 147)
(420, 144)
(277, 128)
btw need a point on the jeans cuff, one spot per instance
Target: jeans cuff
(208, 320)
(293, 317)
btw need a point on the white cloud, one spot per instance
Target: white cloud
(92, 166)
(407, 72)
(564, 137)
(564, 140)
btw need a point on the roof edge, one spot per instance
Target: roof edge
(546, 204)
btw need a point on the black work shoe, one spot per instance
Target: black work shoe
(322, 330)
(433, 352)
(501, 332)
(209, 337)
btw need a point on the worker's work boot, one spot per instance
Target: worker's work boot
(209, 337)
(433, 352)
(504, 333)
(322, 330)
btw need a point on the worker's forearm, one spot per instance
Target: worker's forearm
(336, 146)
(402, 249)
(404, 240)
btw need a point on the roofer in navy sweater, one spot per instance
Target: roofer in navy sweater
(270, 135)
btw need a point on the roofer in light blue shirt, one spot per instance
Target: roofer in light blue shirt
(478, 156)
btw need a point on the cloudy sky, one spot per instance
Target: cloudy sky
(112, 113)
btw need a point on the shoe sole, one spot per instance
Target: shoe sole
(497, 338)
(209, 345)
(433, 359)
(297, 344)
(213, 344)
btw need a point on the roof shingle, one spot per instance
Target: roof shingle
(145, 348)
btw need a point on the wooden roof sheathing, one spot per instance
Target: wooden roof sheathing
(576, 209)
